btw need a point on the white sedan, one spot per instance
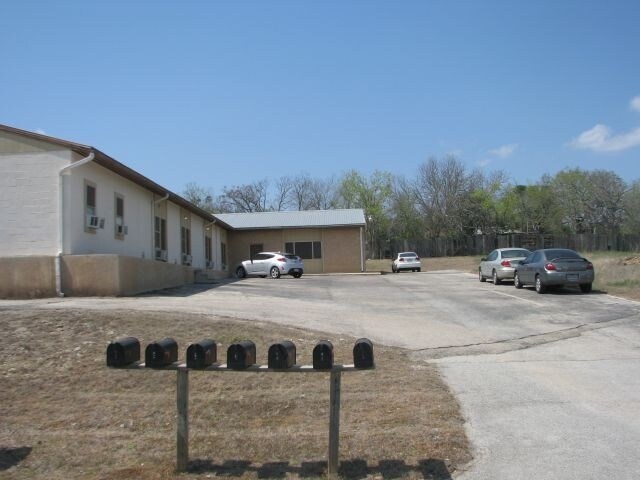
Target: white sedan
(406, 261)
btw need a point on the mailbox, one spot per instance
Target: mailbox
(323, 355)
(161, 353)
(202, 354)
(241, 355)
(282, 355)
(123, 351)
(363, 353)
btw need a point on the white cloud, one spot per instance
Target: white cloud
(634, 104)
(601, 139)
(483, 163)
(505, 150)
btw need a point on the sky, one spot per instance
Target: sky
(224, 93)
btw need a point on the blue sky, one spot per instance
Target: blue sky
(225, 93)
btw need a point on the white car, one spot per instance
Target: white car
(273, 264)
(406, 261)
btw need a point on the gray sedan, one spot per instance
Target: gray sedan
(500, 264)
(555, 267)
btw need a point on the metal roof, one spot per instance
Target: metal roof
(353, 217)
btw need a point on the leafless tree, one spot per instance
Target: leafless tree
(245, 198)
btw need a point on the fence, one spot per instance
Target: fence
(482, 244)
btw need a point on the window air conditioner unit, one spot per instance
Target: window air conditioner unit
(92, 221)
(186, 259)
(161, 255)
(122, 229)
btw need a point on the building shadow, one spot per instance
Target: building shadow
(12, 456)
(354, 469)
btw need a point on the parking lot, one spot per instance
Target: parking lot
(549, 384)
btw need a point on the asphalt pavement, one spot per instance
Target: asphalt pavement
(549, 384)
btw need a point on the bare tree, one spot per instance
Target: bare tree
(200, 196)
(245, 198)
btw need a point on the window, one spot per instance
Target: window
(160, 238)
(185, 240)
(120, 228)
(223, 255)
(305, 250)
(207, 251)
(255, 249)
(90, 212)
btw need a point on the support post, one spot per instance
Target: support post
(334, 422)
(182, 425)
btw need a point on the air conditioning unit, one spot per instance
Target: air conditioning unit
(161, 255)
(209, 264)
(186, 259)
(122, 229)
(92, 221)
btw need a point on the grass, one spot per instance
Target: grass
(617, 273)
(65, 415)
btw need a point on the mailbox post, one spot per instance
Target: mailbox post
(162, 355)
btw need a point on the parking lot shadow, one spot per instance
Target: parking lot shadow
(431, 469)
(188, 290)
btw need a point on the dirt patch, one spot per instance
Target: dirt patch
(65, 415)
(632, 260)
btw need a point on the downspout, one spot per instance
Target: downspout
(58, 259)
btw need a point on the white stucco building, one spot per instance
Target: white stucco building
(76, 220)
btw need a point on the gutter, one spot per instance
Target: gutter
(58, 258)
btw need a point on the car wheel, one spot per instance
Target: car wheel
(496, 280)
(241, 272)
(585, 287)
(516, 280)
(480, 276)
(419, 269)
(540, 288)
(297, 275)
(274, 272)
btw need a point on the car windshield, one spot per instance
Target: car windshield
(514, 253)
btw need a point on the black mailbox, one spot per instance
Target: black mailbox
(241, 355)
(282, 355)
(363, 353)
(123, 351)
(202, 354)
(161, 353)
(323, 355)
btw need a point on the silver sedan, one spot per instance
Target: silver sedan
(554, 267)
(500, 264)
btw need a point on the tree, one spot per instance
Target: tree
(245, 198)
(200, 196)
(631, 202)
(373, 195)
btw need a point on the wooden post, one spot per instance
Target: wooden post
(182, 430)
(334, 422)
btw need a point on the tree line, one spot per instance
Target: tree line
(445, 199)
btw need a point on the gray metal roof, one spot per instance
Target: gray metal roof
(353, 217)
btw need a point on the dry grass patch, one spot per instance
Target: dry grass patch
(65, 415)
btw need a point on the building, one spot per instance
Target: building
(328, 241)
(74, 221)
